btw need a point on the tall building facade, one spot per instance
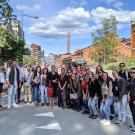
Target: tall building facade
(36, 53)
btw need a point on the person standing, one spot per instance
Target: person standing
(107, 99)
(36, 79)
(120, 92)
(123, 72)
(53, 82)
(62, 83)
(27, 84)
(131, 97)
(93, 96)
(2, 81)
(68, 88)
(14, 81)
(43, 85)
(21, 70)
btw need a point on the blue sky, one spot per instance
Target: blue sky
(79, 17)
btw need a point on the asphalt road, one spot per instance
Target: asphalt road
(30, 120)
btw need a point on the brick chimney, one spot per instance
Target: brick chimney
(132, 34)
(68, 43)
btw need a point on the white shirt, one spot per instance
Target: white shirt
(2, 77)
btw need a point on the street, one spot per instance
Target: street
(30, 120)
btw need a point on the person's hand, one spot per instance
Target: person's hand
(20, 85)
(84, 96)
(54, 81)
(134, 102)
(9, 85)
(95, 98)
(128, 98)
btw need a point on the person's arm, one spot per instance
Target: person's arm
(64, 85)
(59, 85)
(7, 76)
(110, 88)
(87, 87)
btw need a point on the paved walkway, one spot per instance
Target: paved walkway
(29, 120)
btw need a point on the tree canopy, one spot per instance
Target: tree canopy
(105, 41)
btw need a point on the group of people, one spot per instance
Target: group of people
(94, 93)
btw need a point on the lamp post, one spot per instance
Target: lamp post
(34, 17)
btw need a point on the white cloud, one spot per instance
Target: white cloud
(77, 3)
(74, 20)
(115, 3)
(118, 4)
(26, 8)
(123, 16)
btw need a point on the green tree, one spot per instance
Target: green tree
(6, 10)
(105, 41)
(27, 59)
(11, 47)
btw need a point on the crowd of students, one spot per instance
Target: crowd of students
(78, 88)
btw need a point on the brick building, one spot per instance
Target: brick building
(126, 48)
(36, 52)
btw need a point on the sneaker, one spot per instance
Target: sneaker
(103, 120)
(42, 104)
(117, 122)
(130, 127)
(15, 105)
(1, 107)
(106, 123)
(133, 131)
(122, 124)
(94, 117)
(90, 115)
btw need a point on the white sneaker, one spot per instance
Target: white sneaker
(103, 120)
(106, 123)
(15, 105)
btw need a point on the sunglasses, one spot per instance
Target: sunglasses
(122, 66)
(81, 76)
(132, 72)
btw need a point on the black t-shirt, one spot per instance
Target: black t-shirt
(62, 80)
(131, 88)
(94, 88)
(52, 77)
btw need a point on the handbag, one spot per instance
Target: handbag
(50, 92)
(73, 96)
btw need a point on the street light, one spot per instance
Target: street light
(35, 17)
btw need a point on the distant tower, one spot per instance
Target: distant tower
(68, 43)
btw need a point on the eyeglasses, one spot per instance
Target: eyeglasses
(132, 72)
(81, 76)
(122, 66)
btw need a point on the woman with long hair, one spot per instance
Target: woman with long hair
(93, 95)
(75, 92)
(107, 99)
(43, 86)
(36, 79)
(84, 90)
(62, 82)
(53, 83)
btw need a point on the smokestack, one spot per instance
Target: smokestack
(68, 43)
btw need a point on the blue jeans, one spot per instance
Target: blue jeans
(105, 108)
(44, 97)
(11, 95)
(36, 93)
(93, 105)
